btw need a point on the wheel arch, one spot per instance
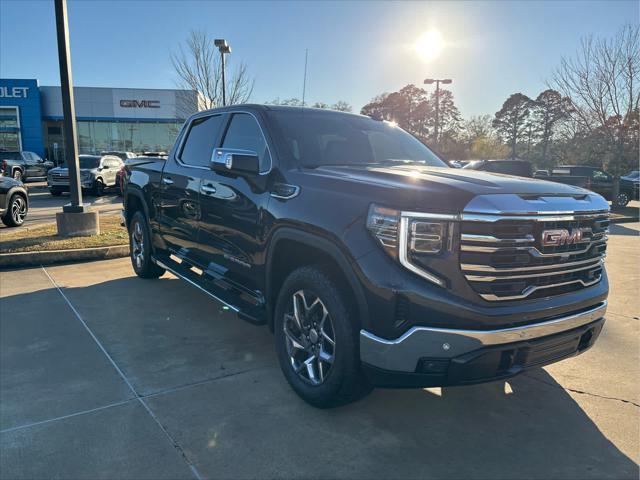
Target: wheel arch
(288, 244)
(133, 201)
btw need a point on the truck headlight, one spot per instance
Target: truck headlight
(408, 235)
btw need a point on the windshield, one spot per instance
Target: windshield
(86, 161)
(9, 155)
(313, 139)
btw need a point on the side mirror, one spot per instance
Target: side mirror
(231, 160)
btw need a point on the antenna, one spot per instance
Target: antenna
(304, 80)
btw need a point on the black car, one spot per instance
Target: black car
(629, 188)
(511, 166)
(14, 202)
(372, 261)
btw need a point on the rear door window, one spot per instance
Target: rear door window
(200, 141)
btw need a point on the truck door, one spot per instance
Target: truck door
(230, 227)
(34, 165)
(179, 206)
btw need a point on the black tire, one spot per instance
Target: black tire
(98, 187)
(139, 248)
(344, 381)
(17, 174)
(623, 199)
(17, 208)
(55, 193)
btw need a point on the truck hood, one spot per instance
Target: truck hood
(446, 189)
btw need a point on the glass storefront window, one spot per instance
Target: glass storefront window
(95, 137)
(8, 117)
(9, 141)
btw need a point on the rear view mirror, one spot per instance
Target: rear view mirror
(231, 160)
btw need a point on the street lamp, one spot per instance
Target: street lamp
(223, 48)
(431, 81)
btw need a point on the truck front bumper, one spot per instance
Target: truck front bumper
(426, 356)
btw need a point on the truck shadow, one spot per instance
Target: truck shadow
(156, 331)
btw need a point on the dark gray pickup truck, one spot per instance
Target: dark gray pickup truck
(23, 165)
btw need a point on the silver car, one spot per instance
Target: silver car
(97, 173)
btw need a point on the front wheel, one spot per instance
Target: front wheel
(16, 211)
(317, 340)
(140, 248)
(623, 199)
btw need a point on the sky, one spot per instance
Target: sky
(356, 50)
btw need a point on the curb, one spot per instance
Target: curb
(51, 257)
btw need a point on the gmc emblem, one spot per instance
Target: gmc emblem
(562, 236)
(140, 103)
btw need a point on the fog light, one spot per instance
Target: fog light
(432, 365)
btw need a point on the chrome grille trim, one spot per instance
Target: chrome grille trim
(485, 278)
(502, 255)
(529, 290)
(469, 267)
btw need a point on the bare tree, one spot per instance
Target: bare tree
(198, 67)
(603, 85)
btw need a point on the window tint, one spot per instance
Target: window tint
(244, 133)
(316, 138)
(599, 175)
(200, 141)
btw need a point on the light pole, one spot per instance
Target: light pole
(430, 81)
(223, 48)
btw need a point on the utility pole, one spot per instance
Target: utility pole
(68, 108)
(75, 219)
(430, 81)
(224, 49)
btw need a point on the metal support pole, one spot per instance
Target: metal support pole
(437, 127)
(224, 83)
(68, 109)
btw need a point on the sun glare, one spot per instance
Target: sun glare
(429, 45)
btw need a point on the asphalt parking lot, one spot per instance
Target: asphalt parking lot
(105, 375)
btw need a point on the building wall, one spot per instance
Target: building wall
(25, 95)
(96, 103)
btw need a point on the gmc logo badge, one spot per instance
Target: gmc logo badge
(140, 103)
(562, 236)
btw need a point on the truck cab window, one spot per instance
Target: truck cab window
(244, 133)
(200, 141)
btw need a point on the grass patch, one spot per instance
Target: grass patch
(44, 237)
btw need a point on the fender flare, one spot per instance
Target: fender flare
(17, 189)
(328, 247)
(139, 195)
(17, 167)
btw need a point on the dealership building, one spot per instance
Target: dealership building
(125, 119)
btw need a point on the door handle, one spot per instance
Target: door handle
(208, 189)
(167, 181)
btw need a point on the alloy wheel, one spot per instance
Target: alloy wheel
(18, 210)
(137, 244)
(623, 199)
(309, 337)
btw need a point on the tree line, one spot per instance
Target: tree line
(589, 114)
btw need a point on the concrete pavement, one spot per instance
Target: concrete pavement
(106, 375)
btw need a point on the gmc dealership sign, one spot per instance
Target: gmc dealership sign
(140, 103)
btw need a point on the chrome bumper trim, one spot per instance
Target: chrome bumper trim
(402, 354)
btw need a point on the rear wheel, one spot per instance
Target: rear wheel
(16, 211)
(98, 187)
(140, 248)
(317, 340)
(623, 199)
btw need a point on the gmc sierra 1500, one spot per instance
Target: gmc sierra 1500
(372, 261)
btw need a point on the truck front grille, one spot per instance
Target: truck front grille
(507, 258)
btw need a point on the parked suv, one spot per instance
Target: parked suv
(23, 166)
(96, 174)
(371, 260)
